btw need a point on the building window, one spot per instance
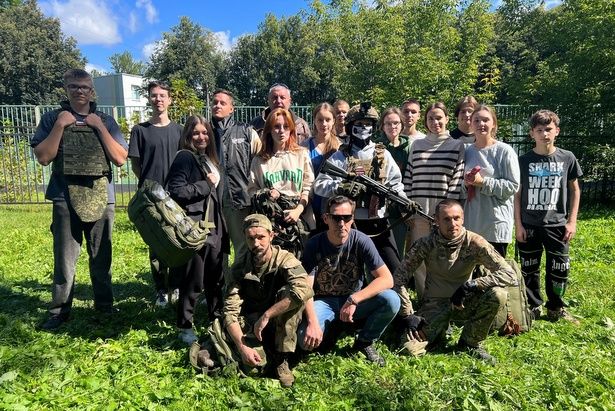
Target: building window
(136, 92)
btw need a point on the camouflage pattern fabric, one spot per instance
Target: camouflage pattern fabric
(86, 169)
(477, 316)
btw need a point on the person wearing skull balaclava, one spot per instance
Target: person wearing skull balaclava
(362, 155)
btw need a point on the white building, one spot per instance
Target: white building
(123, 91)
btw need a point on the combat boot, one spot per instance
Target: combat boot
(285, 374)
(478, 352)
(369, 349)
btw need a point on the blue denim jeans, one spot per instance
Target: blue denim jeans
(377, 312)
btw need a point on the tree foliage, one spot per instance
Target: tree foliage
(188, 52)
(396, 50)
(34, 54)
(126, 63)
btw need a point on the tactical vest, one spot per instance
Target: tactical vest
(83, 163)
(374, 168)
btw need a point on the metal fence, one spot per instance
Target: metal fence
(24, 181)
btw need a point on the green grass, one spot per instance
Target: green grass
(133, 361)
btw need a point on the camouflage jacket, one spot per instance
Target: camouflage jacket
(449, 264)
(253, 290)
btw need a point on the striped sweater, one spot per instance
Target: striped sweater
(434, 170)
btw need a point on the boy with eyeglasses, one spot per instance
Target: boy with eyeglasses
(81, 142)
(334, 261)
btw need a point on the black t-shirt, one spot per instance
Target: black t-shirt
(338, 270)
(544, 187)
(155, 147)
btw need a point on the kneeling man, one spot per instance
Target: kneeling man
(450, 254)
(334, 261)
(265, 299)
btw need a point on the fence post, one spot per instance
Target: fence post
(114, 112)
(37, 115)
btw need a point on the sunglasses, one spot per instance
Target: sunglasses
(340, 217)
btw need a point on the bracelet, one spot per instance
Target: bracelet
(351, 300)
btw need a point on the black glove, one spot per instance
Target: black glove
(414, 322)
(351, 189)
(463, 291)
(413, 207)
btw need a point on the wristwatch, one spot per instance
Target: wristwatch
(351, 300)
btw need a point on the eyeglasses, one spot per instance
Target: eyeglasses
(340, 217)
(75, 87)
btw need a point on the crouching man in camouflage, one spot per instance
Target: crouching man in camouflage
(450, 254)
(265, 297)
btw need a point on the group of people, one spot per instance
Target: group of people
(282, 291)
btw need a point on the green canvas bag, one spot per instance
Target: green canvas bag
(515, 318)
(164, 225)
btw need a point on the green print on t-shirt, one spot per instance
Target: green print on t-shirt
(295, 176)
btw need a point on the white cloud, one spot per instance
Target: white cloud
(133, 22)
(225, 42)
(151, 14)
(148, 50)
(89, 67)
(88, 21)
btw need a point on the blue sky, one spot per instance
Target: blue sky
(105, 27)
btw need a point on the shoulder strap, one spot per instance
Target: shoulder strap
(204, 168)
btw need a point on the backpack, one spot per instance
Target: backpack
(164, 225)
(515, 318)
(217, 354)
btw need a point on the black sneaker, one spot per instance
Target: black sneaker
(536, 312)
(54, 321)
(556, 315)
(369, 349)
(478, 352)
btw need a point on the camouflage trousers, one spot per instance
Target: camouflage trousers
(281, 332)
(477, 316)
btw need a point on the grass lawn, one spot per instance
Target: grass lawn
(134, 361)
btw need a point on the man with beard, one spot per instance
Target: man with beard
(152, 148)
(334, 260)
(265, 299)
(237, 145)
(450, 254)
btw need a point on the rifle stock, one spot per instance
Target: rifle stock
(373, 186)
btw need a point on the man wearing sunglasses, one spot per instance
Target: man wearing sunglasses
(279, 97)
(334, 261)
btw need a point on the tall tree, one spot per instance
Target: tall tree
(33, 55)
(125, 63)
(187, 52)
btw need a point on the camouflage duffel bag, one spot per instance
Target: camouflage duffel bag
(164, 225)
(515, 318)
(217, 354)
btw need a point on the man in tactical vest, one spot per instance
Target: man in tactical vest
(152, 148)
(362, 156)
(237, 145)
(279, 97)
(81, 142)
(450, 254)
(265, 299)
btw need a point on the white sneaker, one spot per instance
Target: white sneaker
(187, 336)
(174, 296)
(161, 299)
